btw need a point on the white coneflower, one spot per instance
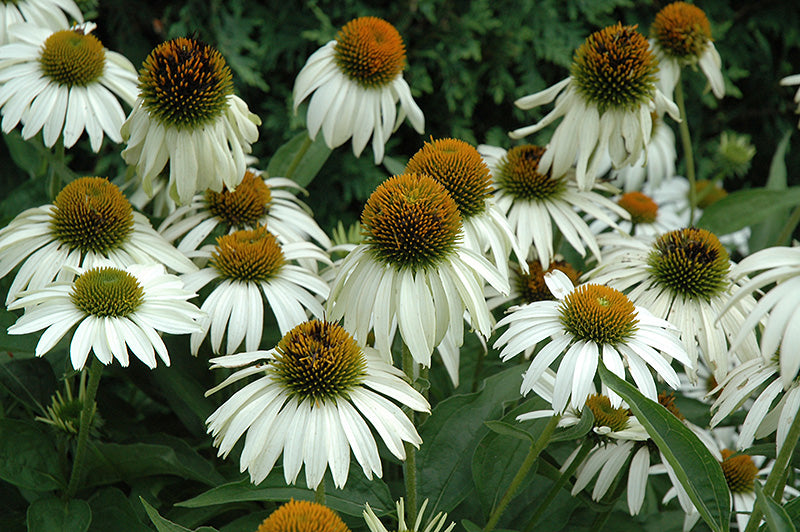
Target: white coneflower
(656, 164)
(62, 83)
(316, 391)
(89, 221)
(50, 14)
(606, 103)
(187, 116)
(435, 524)
(355, 82)
(116, 310)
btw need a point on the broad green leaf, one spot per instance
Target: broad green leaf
(348, 501)
(162, 525)
(28, 457)
(452, 433)
(746, 207)
(695, 467)
(111, 510)
(186, 394)
(30, 381)
(469, 526)
(299, 159)
(28, 155)
(777, 518)
(507, 429)
(51, 513)
(576, 431)
(765, 233)
(793, 509)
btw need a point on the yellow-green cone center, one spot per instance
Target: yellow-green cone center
(318, 361)
(303, 516)
(519, 176)
(107, 293)
(459, 168)
(92, 214)
(185, 83)
(740, 471)
(243, 207)
(599, 314)
(681, 30)
(410, 221)
(248, 255)
(605, 415)
(690, 262)
(72, 58)
(642, 208)
(370, 52)
(531, 285)
(615, 69)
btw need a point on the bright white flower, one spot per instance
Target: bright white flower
(90, 221)
(255, 201)
(527, 287)
(606, 103)
(656, 164)
(50, 14)
(585, 324)
(778, 307)
(412, 272)
(791, 81)
(116, 310)
(683, 277)
(62, 83)
(646, 217)
(534, 202)
(682, 36)
(434, 525)
(247, 264)
(187, 115)
(356, 81)
(764, 415)
(315, 393)
(460, 169)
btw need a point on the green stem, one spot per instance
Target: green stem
(533, 455)
(772, 486)
(298, 157)
(786, 233)
(686, 141)
(410, 464)
(87, 414)
(558, 484)
(319, 493)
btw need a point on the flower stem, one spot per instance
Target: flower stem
(410, 464)
(772, 486)
(686, 141)
(788, 228)
(87, 414)
(298, 157)
(319, 493)
(533, 454)
(556, 487)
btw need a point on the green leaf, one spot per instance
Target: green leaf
(767, 231)
(299, 159)
(777, 518)
(793, 509)
(111, 510)
(452, 433)
(27, 155)
(393, 165)
(30, 381)
(746, 207)
(578, 431)
(348, 501)
(162, 525)
(28, 457)
(507, 429)
(15, 343)
(51, 513)
(695, 467)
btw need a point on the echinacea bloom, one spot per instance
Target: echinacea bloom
(50, 14)
(460, 169)
(413, 271)
(187, 115)
(302, 516)
(606, 103)
(62, 83)
(250, 266)
(89, 221)
(355, 82)
(790, 81)
(117, 311)
(255, 201)
(316, 391)
(587, 324)
(684, 277)
(655, 165)
(646, 217)
(681, 36)
(529, 286)
(534, 202)
(436, 524)
(777, 308)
